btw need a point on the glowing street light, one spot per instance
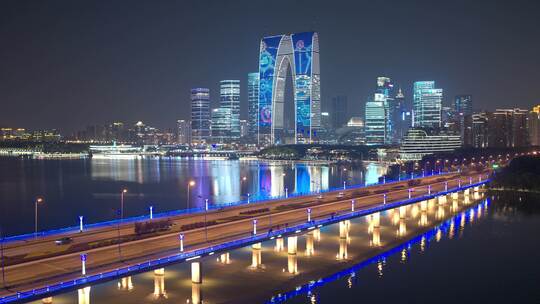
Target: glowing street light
(384, 199)
(254, 226)
(410, 193)
(445, 186)
(352, 205)
(151, 209)
(286, 192)
(309, 215)
(83, 263)
(38, 201)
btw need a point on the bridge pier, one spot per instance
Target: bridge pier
(317, 234)
(467, 191)
(423, 206)
(159, 284)
(125, 284)
(402, 212)
(423, 219)
(292, 259)
(455, 195)
(279, 245)
(402, 228)
(47, 300)
(256, 256)
(376, 237)
(225, 258)
(376, 219)
(196, 295)
(343, 230)
(441, 199)
(440, 213)
(343, 253)
(84, 295)
(196, 272)
(310, 248)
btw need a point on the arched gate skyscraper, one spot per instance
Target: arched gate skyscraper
(300, 53)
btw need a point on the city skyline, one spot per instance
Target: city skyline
(123, 79)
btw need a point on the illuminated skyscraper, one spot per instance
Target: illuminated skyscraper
(480, 130)
(463, 111)
(375, 122)
(404, 115)
(427, 104)
(230, 99)
(200, 115)
(508, 128)
(253, 104)
(463, 104)
(278, 54)
(220, 126)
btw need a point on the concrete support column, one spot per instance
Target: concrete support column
(376, 237)
(125, 284)
(48, 300)
(423, 219)
(310, 248)
(84, 295)
(342, 254)
(402, 212)
(256, 256)
(196, 272)
(317, 235)
(376, 219)
(402, 228)
(279, 245)
(225, 258)
(466, 192)
(292, 242)
(343, 231)
(196, 295)
(159, 283)
(441, 200)
(423, 206)
(455, 195)
(476, 189)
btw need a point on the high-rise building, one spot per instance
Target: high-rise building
(463, 104)
(200, 115)
(339, 112)
(385, 93)
(534, 126)
(220, 125)
(300, 53)
(404, 112)
(463, 110)
(427, 104)
(480, 130)
(375, 123)
(253, 104)
(508, 128)
(230, 99)
(183, 131)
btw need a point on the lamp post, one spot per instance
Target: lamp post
(248, 198)
(83, 263)
(191, 183)
(81, 227)
(255, 227)
(309, 215)
(410, 191)
(181, 237)
(286, 192)
(124, 191)
(352, 205)
(38, 201)
(151, 209)
(205, 221)
(429, 189)
(445, 186)
(384, 199)
(344, 185)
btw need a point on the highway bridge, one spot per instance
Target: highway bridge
(36, 267)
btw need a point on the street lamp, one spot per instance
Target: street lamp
(124, 191)
(81, 227)
(255, 227)
(38, 201)
(191, 183)
(205, 222)
(309, 215)
(151, 209)
(181, 242)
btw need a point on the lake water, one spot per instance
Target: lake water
(92, 187)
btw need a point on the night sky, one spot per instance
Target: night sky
(67, 64)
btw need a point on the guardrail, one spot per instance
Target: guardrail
(200, 253)
(252, 200)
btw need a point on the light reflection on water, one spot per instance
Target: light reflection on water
(251, 274)
(92, 187)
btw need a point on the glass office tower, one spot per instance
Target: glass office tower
(427, 105)
(230, 99)
(253, 105)
(200, 115)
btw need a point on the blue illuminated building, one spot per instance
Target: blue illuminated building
(230, 99)
(300, 53)
(200, 115)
